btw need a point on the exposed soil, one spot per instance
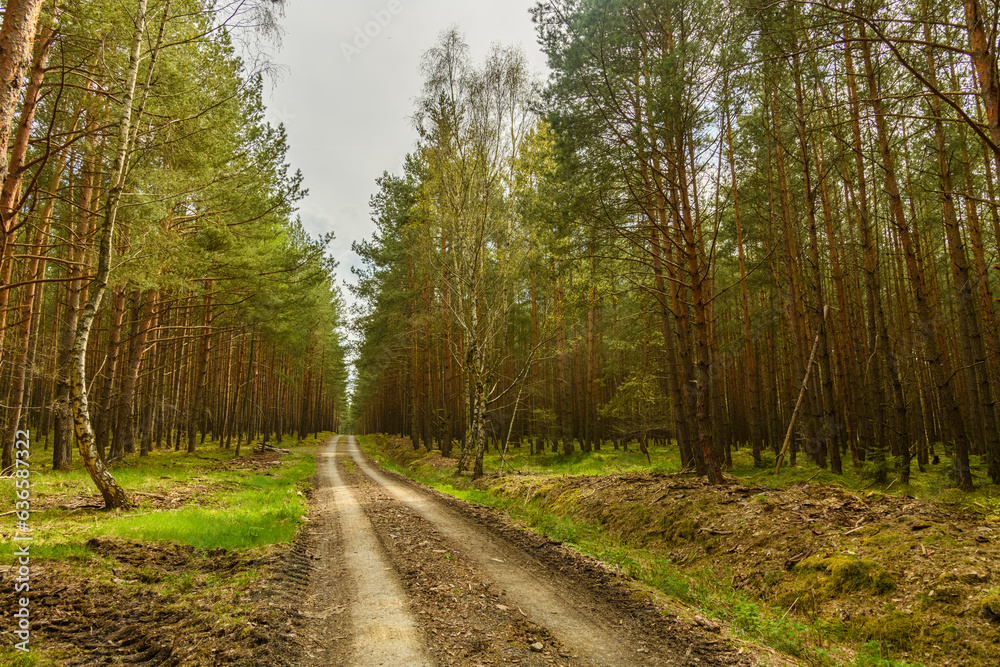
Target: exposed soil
(258, 462)
(81, 620)
(167, 500)
(352, 575)
(327, 596)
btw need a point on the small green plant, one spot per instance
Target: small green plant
(879, 468)
(183, 583)
(16, 658)
(871, 655)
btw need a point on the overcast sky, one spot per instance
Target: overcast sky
(346, 104)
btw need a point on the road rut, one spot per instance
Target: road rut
(382, 626)
(545, 600)
(405, 576)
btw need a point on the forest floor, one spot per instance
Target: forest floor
(258, 561)
(202, 571)
(205, 571)
(824, 574)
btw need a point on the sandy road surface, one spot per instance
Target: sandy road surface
(404, 576)
(383, 630)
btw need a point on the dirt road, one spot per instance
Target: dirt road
(406, 576)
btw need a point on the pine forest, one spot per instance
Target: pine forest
(770, 228)
(156, 285)
(550, 333)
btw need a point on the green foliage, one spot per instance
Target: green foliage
(880, 469)
(638, 406)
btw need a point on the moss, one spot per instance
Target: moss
(989, 607)
(567, 500)
(882, 582)
(943, 633)
(895, 629)
(883, 539)
(848, 574)
(683, 530)
(541, 492)
(940, 539)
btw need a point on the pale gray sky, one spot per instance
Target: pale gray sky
(348, 114)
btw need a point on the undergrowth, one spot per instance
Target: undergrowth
(230, 510)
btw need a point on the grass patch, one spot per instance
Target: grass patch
(213, 502)
(605, 462)
(12, 657)
(246, 511)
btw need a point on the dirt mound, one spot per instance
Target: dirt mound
(913, 575)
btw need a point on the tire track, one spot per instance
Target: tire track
(573, 619)
(382, 627)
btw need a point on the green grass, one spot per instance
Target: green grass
(11, 657)
(605, 462)
(936, 483)
(217, 507)
(247, 519)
